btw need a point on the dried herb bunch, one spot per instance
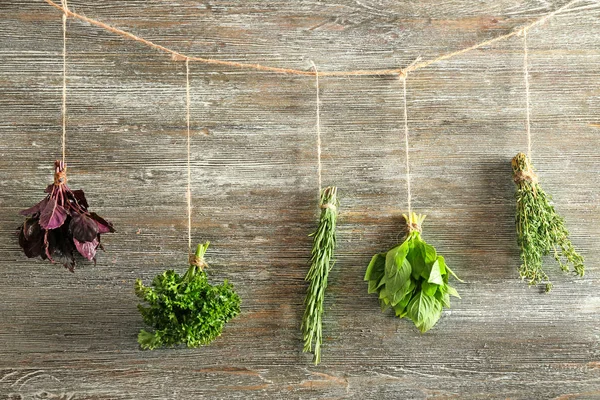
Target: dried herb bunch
(412, 279)
(321, 263)
(61, 223)
(540, 230)
(185, 309)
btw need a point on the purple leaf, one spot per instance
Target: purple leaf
(83, 228)
(31, 238)
(103, 225)
(87, 249)
(61, 247)
(53, 215)
(80, 198)
(49, 188)
(35, 209)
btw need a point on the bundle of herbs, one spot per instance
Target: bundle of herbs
(61, 224)
(412, 278)
(540, 230)
(321, 263)
(185, 309)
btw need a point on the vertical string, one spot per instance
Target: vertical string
(526, 73)
(189, 168)
(409, 195)
(319, 167)
(64, 88)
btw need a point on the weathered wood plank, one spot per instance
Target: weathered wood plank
(73, 336)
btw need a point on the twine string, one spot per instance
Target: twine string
(397, 72)
(403, 77)
(406, 147)
(64, 88)
(189, 167)
(527, 102)
(318, 127)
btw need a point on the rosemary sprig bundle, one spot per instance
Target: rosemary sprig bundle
(412, 278)
(540, 230)
(322, 253)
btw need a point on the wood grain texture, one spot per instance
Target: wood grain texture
(73, 336)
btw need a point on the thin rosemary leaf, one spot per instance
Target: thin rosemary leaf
(321, 263)
(540, 230)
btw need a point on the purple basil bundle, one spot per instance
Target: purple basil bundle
(61, 225)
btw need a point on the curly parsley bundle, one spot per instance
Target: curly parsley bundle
(412, 278)
(322, 254)
(540, 230)
(185, 309)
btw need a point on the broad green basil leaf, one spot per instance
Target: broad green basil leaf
(395, 282)
(453, 274)
(451, 291)
(403, 292)
(435, 275)
(376, 268)
(429, 288)
(429, 253)
(432, 317)
(373, 286)
(420, 307)
(394, 258)
(415, 257)
(442, 262)
(443, 297)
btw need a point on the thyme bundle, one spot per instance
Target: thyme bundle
(322, 253)
(540, 230)
(185, 309)
(412, 278)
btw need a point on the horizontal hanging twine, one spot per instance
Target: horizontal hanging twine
(179, 56)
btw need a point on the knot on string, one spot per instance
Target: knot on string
(522, 169)
(60, 173)
(65, 7)
(328, 205)
(179, 57)
(414, 222)
(522, 176)
(414, 227)
(197, 261)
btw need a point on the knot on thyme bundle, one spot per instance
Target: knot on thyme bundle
(197, 261)
(522, 169)
(521, 176)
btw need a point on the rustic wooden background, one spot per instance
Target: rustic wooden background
(73, 336)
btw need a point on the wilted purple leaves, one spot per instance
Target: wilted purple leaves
(61, 225)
